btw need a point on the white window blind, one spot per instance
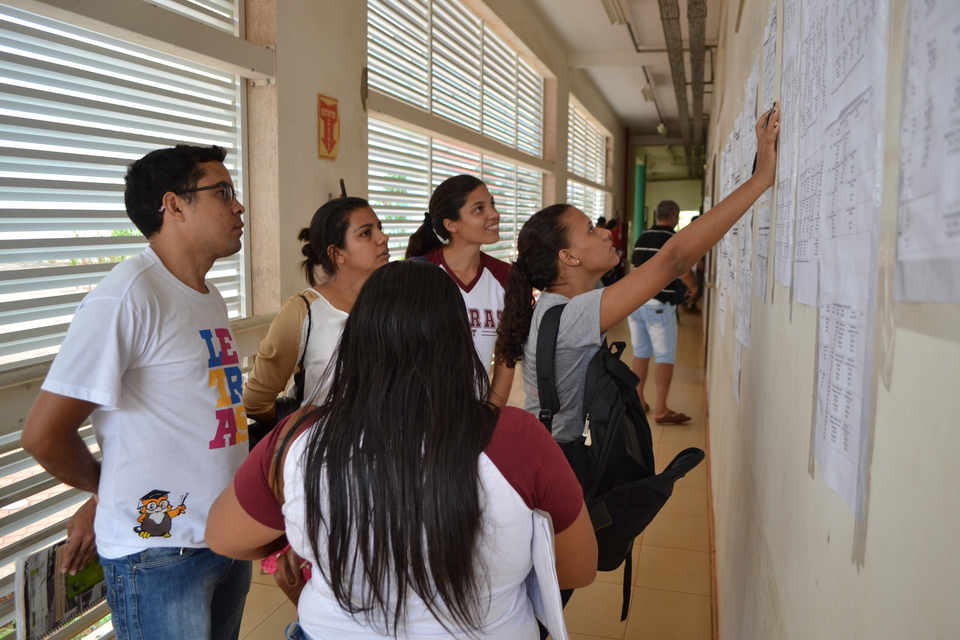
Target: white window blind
(76, 108)
(405, 167)
(221, 14)
(586, 148)
(438, 55)
(592, 202)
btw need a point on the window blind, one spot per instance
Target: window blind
(221, 14)
(592, 202)
(76, 108)
(439, 56)
(586, 148)
(405, 167)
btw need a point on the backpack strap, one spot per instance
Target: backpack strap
(546, 373)
(299, 378)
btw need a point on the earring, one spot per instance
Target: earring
(578, 261)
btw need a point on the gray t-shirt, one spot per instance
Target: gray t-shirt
(578, 341)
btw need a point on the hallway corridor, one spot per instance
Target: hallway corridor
(672, 578)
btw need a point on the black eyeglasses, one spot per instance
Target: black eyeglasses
(227, 191)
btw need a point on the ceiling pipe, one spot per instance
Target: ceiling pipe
(697, 20)
(670, 17)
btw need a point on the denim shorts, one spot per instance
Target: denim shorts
(653, 331)
(173, 592)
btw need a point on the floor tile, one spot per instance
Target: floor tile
(667, 615)
(687, 435)
(674, 570)
(580, 636)
(678, 531)
(262, 602)
(595, 610)
(688, 501)
(273, 626)
(265, 579)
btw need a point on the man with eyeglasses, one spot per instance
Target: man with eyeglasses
(151, 360)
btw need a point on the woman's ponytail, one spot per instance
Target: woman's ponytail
(538, 248)
(424, 240)
(517, 314)
(445, 204)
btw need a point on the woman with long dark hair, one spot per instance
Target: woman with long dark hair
(463, 217)
(412, 497)
(343, 245)
(563, 255)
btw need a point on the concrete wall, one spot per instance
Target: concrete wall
(686, 193)
(321, 48)
(785, 543)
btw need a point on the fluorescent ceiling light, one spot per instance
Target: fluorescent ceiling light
(648, 95)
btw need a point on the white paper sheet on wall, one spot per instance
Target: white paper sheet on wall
(787, 157)
(928, 243)
(736, 161)
(745, 278)
(849, 229)
(748, 147)
(813, 94)
(769, 73)
(840, 382)
(763, 248)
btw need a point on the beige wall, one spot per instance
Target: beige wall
(785, 543)
(686, 193)
(321, 48)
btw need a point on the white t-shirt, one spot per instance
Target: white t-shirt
(521, 469)
(160, 360)
(483, 298)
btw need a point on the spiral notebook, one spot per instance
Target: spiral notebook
(46, 599)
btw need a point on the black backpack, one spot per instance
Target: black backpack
(613, 459)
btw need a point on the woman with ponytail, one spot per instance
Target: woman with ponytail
(343, 245)
(563, 255)
(462, 218)
(412, 497)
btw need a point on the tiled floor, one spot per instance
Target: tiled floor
(672, 583)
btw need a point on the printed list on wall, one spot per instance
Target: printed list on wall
(928, 243)
(826, 229)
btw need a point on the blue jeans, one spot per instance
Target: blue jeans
(169, 592)
(295, 632)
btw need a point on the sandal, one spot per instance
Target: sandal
(672, 417)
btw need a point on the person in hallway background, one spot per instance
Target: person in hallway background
(653, 327)
(463, 217)
(343, 245)
(151, 360)
(563, 255)
(412, 496)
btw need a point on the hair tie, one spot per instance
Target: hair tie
(426, 219)
(520, 262)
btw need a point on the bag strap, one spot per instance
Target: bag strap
(300, 377)
(546, 363)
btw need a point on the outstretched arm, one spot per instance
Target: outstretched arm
(683, 250)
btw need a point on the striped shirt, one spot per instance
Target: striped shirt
(647, 246)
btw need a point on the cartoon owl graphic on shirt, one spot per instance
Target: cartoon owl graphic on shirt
(156, 514)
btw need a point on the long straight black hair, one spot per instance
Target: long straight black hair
(396, 443)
